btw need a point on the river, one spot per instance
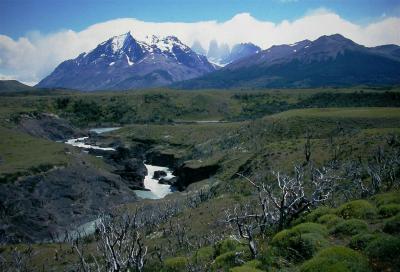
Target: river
(156, 190)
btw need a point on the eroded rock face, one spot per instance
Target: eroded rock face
(34, 208)
(187, 175)
(133, 171)
(157, 158)
(48, 126)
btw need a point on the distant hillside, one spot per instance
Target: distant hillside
(332, 61)
(10, 86)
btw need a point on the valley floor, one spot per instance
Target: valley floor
(226, 180)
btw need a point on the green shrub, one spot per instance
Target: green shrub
(389, 210)
(300, 242)
(317, 213)
(361, 241)
(329, 219)
(253, 263)
(245, 268)
(226, 246)
(392, 225)
(350, 227)
(225, 261)
(336, 259)
(175, 264)
(387, 198)
(311, 228)
(385, 249)
(360, 209)
(204, 254)
(250, 266)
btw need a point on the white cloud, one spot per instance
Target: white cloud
(34, 56)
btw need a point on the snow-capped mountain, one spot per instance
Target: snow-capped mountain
(327, 61)
(221, 54)
(122, 62)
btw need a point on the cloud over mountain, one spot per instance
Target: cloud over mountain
(34, 56)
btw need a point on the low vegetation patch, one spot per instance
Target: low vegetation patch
(384, 253)
(300, 242)
(392, 225)
(360, 209)
(350, 227)
(338, 259)
(389, 210)
(387, 198)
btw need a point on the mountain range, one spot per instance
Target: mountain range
(221, 54)
(328, 61)
(122, 62)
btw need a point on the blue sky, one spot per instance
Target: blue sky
(19, 17)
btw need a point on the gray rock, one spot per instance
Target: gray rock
(35, 208)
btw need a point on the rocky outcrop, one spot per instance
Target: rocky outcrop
(128, 164)
(170, 181)
(35, 208)
(162, 159)
(47, 126)
(187, 175)
(133, 171)
(159, 174)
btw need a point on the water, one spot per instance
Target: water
(157, 190)
(103, 130)
(80, 142)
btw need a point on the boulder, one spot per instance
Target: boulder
(159, 174)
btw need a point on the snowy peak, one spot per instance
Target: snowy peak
(124, 62)
(165, 44)
(118, 42)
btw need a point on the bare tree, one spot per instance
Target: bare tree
(120, 245)
(245, 223)
(292, 194)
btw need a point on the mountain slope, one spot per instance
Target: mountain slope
(10, 86)
(328, 61)
(123, 62)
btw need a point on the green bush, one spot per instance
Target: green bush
(360, 209)
(387, 198)
(329, 219)
(204, 254)
(245, 268)
(175, 264)
(385, 249)
(350, 227)
(250, 266)
(392, 225)
(361, 241)
(300, 242)
(317, 213)
(311, 228)
(336, 259)
(225, 261)
(226, 246)
(389, 210)
(253, 264)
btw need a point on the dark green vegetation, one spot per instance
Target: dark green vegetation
(163, 106)
(352, 131)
